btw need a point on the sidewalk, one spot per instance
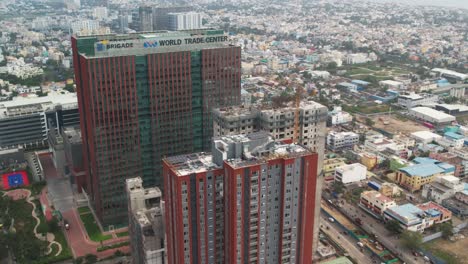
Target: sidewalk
(79, 242)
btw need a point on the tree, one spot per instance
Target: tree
(447, 230)
(90, 258)
(338, 187)
(369, 122)
(411, 240)
(385, 164)
(332, 65)
(70, 88)
(41, 94)
(393, 226)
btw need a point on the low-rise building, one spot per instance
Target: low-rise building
(338, 117)
(424, 172)
(457, 207)
(26, 121)
(425, 136)
(329, 165)
(463, 195)
(409, 216)
(337, 141)
(375, 203)
(377, 142)
(390, 189)
(443, 187)
(451, 140)
(453, 159)
(412, 100)
(350, 173)
(430, 115)
(369, 160)
(390, 84)
(436, 212)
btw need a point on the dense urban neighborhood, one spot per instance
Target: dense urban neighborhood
(174, 132)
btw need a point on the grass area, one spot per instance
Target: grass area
(126, 243)
(438, 252)
(84, 209)
(401, 117)
(36, 187)
(92, 228)
(60, 238)
(122, 234)
(367, 109)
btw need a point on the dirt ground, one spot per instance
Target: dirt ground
(397, 125)
(458, 249)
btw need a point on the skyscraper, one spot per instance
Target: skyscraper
(250, 201)
(146, 96)
(146, 18)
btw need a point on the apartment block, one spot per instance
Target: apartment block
(337, 141)
(252, 200)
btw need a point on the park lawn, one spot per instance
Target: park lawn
(83, 210)
(92, 228)
(60, 238)
(122, 234)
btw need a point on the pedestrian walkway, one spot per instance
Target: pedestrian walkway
(49, 237)
(81, 244)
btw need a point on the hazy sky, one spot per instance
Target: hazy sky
(450, 3)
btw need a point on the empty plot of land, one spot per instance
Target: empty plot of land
(452, 252)
(396, 124)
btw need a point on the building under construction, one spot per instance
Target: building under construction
(279, 122)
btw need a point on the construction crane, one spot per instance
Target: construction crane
(299, 92)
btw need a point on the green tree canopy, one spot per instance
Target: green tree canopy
(393, 226)
(411, 240)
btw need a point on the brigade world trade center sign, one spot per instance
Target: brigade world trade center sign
(151, 43)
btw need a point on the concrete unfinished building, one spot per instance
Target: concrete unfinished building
(279, 122)
(146, 223)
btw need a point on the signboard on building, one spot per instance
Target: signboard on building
(109, 47)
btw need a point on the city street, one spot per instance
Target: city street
(373, 226)
(346, 241)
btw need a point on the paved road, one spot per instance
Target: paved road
(372, 225)
(345, 241)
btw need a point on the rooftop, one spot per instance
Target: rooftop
(376, 195)
(340, 260)
(425, 135)
(192, 163)
(407, 212)
(237, 151)
(144, 43)
(360, 82)
(433, 209)
(422, 170)
(453, 135)
(432, 113)
(73, 134)
(412, 96)
(25, 105)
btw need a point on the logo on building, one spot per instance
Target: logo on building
(100, 47)
(150, 44)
